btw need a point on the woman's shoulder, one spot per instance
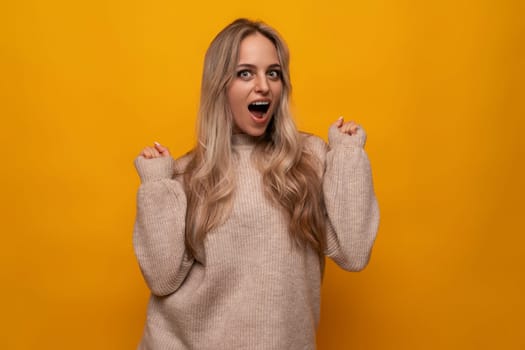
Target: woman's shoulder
(181, 163)
(314, 144)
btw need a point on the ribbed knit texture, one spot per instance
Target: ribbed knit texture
(252, 288)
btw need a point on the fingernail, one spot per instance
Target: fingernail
(158, 144)
(340, 118)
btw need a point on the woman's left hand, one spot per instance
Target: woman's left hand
(349, 128)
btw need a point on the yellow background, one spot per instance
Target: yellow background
(438, 85)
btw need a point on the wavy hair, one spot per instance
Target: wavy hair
(290, 178)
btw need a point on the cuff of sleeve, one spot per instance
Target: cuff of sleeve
(154, 169)
(336, 137)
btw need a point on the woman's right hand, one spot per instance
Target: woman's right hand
(157, 151)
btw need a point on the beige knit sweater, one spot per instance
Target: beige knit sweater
(253, 288)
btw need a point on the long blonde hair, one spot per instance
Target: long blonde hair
(289, 171)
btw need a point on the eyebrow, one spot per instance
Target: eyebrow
(247, 65)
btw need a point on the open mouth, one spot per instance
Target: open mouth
(259, 108)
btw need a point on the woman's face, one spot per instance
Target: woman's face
(255, 91)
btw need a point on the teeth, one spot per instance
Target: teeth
(261, 103)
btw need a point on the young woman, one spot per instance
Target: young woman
(231, 238)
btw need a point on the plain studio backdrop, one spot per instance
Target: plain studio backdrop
(438, 85)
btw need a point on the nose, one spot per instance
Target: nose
(261, 85)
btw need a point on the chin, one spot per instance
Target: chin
(256, 133)
(251, 130)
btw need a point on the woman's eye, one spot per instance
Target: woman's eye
(274, 74)
(244, 74)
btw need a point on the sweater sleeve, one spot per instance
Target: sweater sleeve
(158, 236)
(352, 209)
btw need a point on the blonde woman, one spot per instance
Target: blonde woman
(231, 238)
